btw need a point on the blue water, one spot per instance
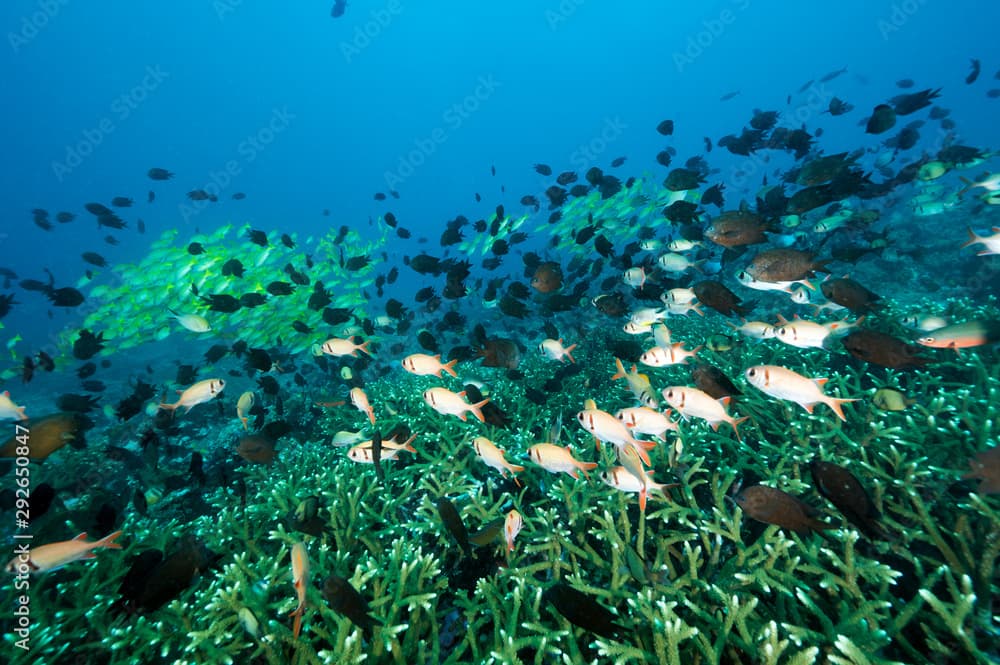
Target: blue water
(220, 73)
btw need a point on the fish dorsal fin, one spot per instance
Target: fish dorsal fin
(821, 382)
(82, 536)
(724, 401)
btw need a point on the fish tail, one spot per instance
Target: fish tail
(586, 466)
(168, 406)
(973, 238)
(514, 468)
(835, 404)
(643, 493)
(620, 374)
(297, 624)
(108, 541)
(736, 421)
(477, 409)
(363, 347)
(567, 351)
(450, 367)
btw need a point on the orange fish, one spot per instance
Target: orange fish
(54, 556)
(300, 577)
(512, 526)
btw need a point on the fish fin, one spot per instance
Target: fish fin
(643, 455)
(82, 536)
(973, 238)
(568, 355)
(88, 555)
(477, 410)
(450, 367)
(642, 499)
(736, 422)
(836, 404)
(620, 374)
(109, 541)
(809, 407)
(821, 382)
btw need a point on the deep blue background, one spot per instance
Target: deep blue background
(562, 73)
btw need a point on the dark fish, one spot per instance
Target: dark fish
(287, 241)
(278, 288)
(94, 259)
(150, 197)
(258, 359)
(77, 403)
(154, 580)
(850, 294)
(583, 611)
(772, 506)
(201, 195)
(345, 599)
(357, 262)
(566, 178)
(844, 491)
(40, 500)
(974, 74)
(121, 202)
(216, 353)
(256, 448)
(666, 127)
(140, 226)
(729, 95)
(713, 381)
(251, 300)
(159, 174)
(196, 248)
(93, 385)
(913, 102)
(718, 296)
(452, 521)
(543, 169)
(618, 161)
(6, 302)
(839, 107)
(257, 237)
(44, 361)
(65, 217)
(379, 196)
(883, 350)
(239, 196)
(221, 302)
(66, 296)
(87, 344)
(784, 264)
(904, 83)
(882, 119)
(832, 75)
(232, 267)
(339, 7)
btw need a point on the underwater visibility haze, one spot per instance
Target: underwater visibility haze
(525, 332)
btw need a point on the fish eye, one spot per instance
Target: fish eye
(751, 372)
